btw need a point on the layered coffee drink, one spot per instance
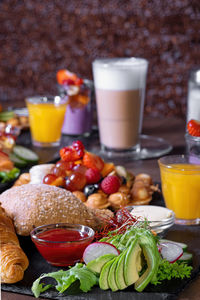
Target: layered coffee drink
(120, 90)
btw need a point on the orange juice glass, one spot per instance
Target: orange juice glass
(180, 179)
(46, 117)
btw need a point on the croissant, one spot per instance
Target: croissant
(13, 260)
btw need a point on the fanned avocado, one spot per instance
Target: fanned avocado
(111, 275)
(103, 279)
(131, 263)
(119, 275)
(152, 257)
(97, 264)
(115, 240)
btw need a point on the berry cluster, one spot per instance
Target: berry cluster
(79, 170)
(66, 77)
(74, 88)
(97, 183)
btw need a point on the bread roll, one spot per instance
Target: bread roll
(33, 205)
(13, 260)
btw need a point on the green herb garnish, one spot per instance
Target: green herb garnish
(168, 271)
(9, 176)
(65, 279)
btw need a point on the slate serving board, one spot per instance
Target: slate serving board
(167, 290)
(6, 185)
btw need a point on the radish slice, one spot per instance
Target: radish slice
(98, 249)
(170, 251)
(159, 248)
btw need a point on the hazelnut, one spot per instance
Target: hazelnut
(144, 177)
(124, 189)
(118, 199)
(80, 195)
(102, 193)
(97, 200)
(140, 190)
(23, 179)
(141, 202)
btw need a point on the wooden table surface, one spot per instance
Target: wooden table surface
(173, 131)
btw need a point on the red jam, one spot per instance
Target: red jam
(62, 247)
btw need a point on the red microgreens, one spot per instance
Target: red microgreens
(121, 221)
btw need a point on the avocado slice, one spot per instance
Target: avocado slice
(97, 264)
(130, 263)
(152, 257)
(115, 240)
(111, 275)
(103, 279)
(119, 275)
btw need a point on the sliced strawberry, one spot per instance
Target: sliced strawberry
(70, 154)
(193, 127)
(93, 161)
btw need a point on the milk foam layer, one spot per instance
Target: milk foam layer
(120, 74)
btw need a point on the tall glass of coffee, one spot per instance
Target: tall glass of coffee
(120, 90)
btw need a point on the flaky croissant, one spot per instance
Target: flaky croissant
(13, 261)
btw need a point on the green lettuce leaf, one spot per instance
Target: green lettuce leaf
(65, 279)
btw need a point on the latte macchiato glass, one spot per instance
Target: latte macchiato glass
(120, 90)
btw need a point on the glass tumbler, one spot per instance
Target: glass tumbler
(46, 116)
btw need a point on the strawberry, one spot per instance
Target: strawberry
(110, 184)
(93, 161)
(193, 127)
(92, 175)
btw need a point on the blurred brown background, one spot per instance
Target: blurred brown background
(37, 38)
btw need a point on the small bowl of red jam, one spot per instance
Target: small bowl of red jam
(62, 244)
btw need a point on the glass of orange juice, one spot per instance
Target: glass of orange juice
(180, 179)
(46, 117)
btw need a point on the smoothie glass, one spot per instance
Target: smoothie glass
(120, 90)
(46, 116)
(79, 113)
(181, 188)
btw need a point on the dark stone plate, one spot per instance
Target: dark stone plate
(6, 185)
(167, 290)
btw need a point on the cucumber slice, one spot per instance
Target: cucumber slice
(6, 115)
(182, 245)
(17, 161)
(25, 154)
(186, 257)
